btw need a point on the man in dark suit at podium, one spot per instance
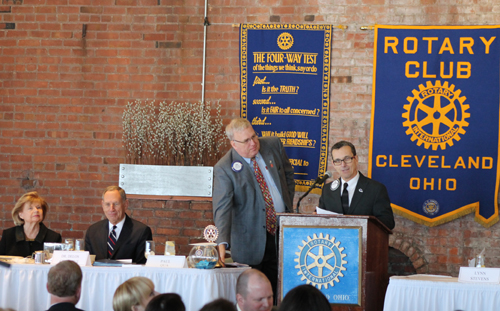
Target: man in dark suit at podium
(118, 236)
(252, 182)
(353, 193)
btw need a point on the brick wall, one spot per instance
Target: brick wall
(68, 67)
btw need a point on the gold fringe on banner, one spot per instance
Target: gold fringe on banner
(465, 210)
(305, 188)
(486, 222)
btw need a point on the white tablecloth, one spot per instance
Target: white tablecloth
(436, 293)
(23, 286)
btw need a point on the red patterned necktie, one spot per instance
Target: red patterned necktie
(270, 212)
(111, 242)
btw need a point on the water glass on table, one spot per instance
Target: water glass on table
(70, 244)
(170, 248)
(150, 248)
(79, 245)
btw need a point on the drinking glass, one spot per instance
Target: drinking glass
(480, 261)
(70, 244)
(79, 245)
(150, 248)
(170, 248)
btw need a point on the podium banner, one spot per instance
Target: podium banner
(435, 121)
(285, 91)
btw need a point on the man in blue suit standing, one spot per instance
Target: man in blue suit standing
(252, 182)
(353, 193)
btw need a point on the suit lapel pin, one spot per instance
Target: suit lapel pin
(271, 163)
(360, 190)
(335, 184)
(237, 166)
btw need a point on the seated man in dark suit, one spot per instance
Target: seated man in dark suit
(118, 236)
(353, 193)
(64, 284)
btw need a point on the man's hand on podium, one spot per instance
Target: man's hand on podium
(222, 254)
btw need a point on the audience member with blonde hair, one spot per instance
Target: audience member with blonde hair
(134, 294)
(30, 233)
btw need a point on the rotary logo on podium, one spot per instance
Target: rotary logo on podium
(320, 261)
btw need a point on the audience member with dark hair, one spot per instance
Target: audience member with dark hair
(220, 304)
(305, 297)
(64, 283)
(166, 302)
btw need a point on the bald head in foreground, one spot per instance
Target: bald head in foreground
(254, 291)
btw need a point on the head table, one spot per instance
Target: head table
(23, 286)
(439, 293)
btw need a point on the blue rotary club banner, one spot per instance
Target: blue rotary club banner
(327, 258)
(285, 91)
(435, 121)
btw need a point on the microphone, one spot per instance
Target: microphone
(318, 181)
(321, 180)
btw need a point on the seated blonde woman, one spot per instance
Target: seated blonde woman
(30, 233)
(134, 294)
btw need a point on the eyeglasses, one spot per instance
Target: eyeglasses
(346, 160)
(246, 141)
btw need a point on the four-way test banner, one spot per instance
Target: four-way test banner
(285, 91)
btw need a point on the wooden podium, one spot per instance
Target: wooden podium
(344, 256)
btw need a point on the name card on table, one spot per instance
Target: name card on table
(163, 261)
(479, 275)
(80, 257)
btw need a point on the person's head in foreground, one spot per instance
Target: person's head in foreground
(134, 294)
(305, 297)
(166, 302)
(254, 291)
(64, 282)
(220, 304)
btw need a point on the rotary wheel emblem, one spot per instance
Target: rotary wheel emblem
(285, 41)
(211, 233)
(320, 261)
(435, 115)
